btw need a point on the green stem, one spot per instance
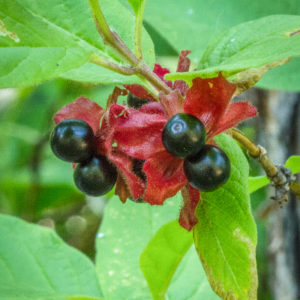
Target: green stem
(100, 22)
(95, 59)
(113, 40)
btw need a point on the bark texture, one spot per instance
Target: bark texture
(278, 128)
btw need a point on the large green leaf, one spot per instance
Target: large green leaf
(53, 37)
(168, 258)
(124, 233)
(163, 254)
(199, 22)
(92, 73)
(225, 236)
(189, 281)
(250, 49)
(285, 77)
(35, 264)
(192, 24)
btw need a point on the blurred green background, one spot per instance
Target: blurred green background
(38, 187)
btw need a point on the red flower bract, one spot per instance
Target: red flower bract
(125, 134)
(137, 133)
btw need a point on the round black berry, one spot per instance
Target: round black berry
(136, 102)
(96, 177)
(184, 135)
(208, 170)
(73, 140)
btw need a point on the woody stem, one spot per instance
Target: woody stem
(260, 154)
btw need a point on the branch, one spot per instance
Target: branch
(95, 59)
(281, 177)
(113, 40)
(100, 22)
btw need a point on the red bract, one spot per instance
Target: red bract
(137, 133)
(125, 134)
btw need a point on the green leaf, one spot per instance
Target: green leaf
(125, 231)
(36, 264)
(189, 281)
(137, 5)
(194, 24)
(83, 298)
(293, 163)
(189, 20)
(92, 73)
(50, 39)
(162, 255)
(285, 77)
(250, 49)
(225, 236)
(255, 183)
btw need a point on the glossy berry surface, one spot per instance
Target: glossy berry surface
(73, 140)
(184, 135)
(96, 177)
(208, 170)
(136, 102)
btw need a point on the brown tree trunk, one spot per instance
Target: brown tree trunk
(278, 128)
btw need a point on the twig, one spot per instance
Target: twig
(111, 66)
(113, 40)
(280, 176)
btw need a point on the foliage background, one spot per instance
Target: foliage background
(37, 187)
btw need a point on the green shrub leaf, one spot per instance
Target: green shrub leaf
(36, 264)
(163, 254)
(170, 265)
(125, 231)
(246, 52)
(199, 22)
(137, 5)
(189, 281)
(225, 236)
(42, 40)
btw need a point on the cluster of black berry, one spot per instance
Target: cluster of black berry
(206, 167)
(73, 140)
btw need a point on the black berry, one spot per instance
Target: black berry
(184, 135)
(73, 140)
(136, 102)
(96, 177)
(208, 170)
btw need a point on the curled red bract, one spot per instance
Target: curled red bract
(126, 134)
